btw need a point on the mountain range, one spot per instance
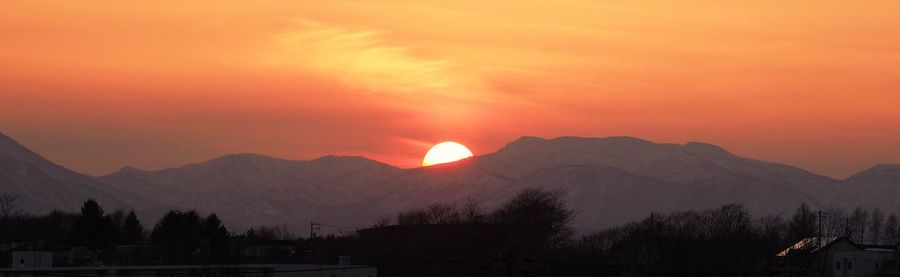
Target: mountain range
(607, 181)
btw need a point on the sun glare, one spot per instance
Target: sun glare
(446, 152)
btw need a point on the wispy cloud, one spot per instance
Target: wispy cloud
(364, 59)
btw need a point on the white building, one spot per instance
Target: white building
(31, 259)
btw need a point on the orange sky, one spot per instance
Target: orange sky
(155, 84)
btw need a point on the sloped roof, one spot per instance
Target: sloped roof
(811, 244)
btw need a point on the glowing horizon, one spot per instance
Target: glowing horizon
(159, 84)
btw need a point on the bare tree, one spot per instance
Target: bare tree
(834, 222)
(802, 224)
(728, 219)
(384, 221)
(8, 205)
(890, 230)
(472, 211)
(276, 232)
(413, 217)
(857, 223)
(437, 213)
(876, 223)
(442, 213)
(537, 216)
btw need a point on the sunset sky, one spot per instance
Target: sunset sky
(156, 84)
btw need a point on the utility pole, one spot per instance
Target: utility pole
(313, 227)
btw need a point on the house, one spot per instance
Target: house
(140, 255)
(75, 256)
(834, 257)
(267, 251)
(31, 259)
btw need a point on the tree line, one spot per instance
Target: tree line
(179, 232)
(533, 225)
(727, 240)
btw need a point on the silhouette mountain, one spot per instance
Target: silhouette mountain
(254, 189)
(42, 186)
(874, 187)
(608, 181)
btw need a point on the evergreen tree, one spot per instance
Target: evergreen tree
(180, 232)
(218, 237)
(93, 229)
(132, 230)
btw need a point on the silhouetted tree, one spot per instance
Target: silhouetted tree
(92, 229)
(773, 231)
(8, 205)
(833, 223)
(251, 234)
(132, 230)
(442, 213)
(538, 219)
(472, 211)
(413, 217)
(802, 225)
(437, 213)
(857, 224)
(891, 231)
(217, 236)
(876, 223)
(382, 222)
(181, 232)
(728, 220)
(715, 242)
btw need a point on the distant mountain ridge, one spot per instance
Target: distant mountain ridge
(609, 181)
(42, 186)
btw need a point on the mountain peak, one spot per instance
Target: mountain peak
(530, 143)
(12, 148)
(886, 167)
(349, 161)
(529, 139)
(877, 171)
(125, 171)
(243, 156)
(526, 140)
(706, 149)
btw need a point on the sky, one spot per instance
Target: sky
(157, 84)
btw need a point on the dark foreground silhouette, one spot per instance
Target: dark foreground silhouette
(527, 236)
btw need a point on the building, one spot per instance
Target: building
(31, 259)
(268, 251)
(835, 257)
(140, 255)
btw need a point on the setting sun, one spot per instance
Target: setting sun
(446, 152)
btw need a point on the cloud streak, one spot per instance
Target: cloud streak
(363, 59)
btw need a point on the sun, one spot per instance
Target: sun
(446, 152)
